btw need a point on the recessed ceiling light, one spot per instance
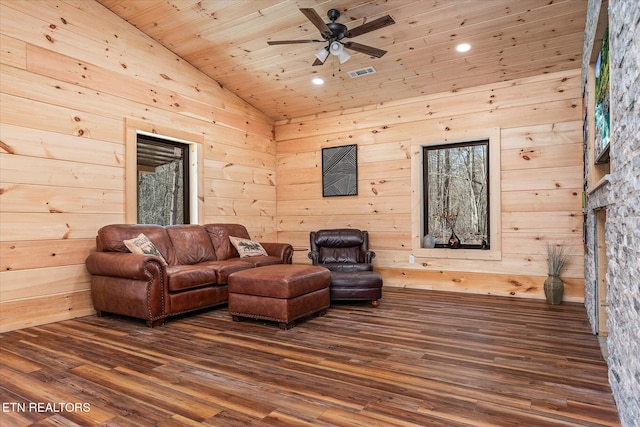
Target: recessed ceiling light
(463, 47)
(317, 81)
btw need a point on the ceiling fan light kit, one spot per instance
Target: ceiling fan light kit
(322, 54)
(343, 57)
(333, 32)
(336, 48)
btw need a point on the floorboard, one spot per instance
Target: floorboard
(421, 358)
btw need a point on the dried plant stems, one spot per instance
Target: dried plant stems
(557, 258)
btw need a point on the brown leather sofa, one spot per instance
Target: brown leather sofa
(345, 252)
(199, 260)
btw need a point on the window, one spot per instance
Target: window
(596, 107)
(193, 165)
(602, 102)
(456, 195)
(163, 181)
(470, 195)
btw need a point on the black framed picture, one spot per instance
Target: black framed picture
(340, 171)
(602, 114)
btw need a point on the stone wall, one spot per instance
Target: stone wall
(161, 195)
(621, 197)
(594, 200)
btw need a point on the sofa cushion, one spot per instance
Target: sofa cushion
(219, 235)
(247, 247)
(261, 261)
(340, 245)
(225, 267)
(347, 267)
(111, 238)
(334, 255)
(182, 277)
(191, 244)
(280, 281)
(339, 238)
(142, 245)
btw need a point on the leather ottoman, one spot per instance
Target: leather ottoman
(281, 293)
(356, 286)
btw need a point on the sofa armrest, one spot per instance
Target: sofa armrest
(284, 251)
(369, 256)
(128, 284)
(122, 264)
(314, 256)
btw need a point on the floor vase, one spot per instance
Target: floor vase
(553, 289)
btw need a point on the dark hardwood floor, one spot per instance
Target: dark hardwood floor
(420, 359)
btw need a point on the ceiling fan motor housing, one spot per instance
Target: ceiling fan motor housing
(338, 31)
(333, 14)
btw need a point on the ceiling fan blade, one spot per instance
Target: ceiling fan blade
(317, 62)
(373, 51)
(316, 20)
(376, 24)
(273, 42)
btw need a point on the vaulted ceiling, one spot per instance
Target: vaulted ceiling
(227, 40)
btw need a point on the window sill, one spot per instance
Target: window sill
(601, 183)
(481, 254)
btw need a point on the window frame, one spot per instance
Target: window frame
(196, 166)
(160, 141)
(418, 194)
(425, 197)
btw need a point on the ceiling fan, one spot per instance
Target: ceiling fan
(333, 33)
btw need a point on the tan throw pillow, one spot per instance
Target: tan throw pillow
(246, 247)
(142, 245)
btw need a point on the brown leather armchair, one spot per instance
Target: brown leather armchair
(345, 252)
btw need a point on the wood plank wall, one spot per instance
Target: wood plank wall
(71, 72)
(541, 182)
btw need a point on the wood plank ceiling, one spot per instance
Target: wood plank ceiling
(227, 40)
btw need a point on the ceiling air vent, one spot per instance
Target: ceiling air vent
(361, 72)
